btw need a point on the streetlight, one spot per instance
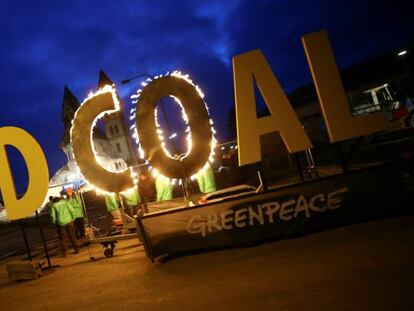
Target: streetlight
(402, 53)
(126, 81)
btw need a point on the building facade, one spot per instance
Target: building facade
(116, 130)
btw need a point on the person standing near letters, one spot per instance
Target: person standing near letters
(112, 206)
(132, 199)
(206, 180)
(63, 215)
(163, 188)
(79, 221)
(146, 187)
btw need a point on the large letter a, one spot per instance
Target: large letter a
(282, 119)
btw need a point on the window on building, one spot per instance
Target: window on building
(118, 147)
(116, 165)
(111, 130)
(116, 129)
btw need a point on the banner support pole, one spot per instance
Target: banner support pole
(43, 240)
(26, 243)
(342, 157)
(262, 178)
(299, 166)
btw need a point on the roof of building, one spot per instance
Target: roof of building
(104, 79)
(366, 74)
(69, 105)
(70, 100)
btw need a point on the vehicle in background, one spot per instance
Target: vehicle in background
(399, 113)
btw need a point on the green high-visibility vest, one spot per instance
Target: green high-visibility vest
(132, 197)
(111, 202)
(206, 181)
(77, 206)
(62, 213)
(164, 188)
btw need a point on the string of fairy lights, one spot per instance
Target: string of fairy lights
(134, 100)
(160, 133)
(117, 107)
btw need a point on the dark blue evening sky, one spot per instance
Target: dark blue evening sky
(47, 44)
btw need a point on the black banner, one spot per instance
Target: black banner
(296, 209)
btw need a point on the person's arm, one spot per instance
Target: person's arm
(116, 201)
(53, 214)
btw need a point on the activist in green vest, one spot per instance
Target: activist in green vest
(75, 201)
(131, 199)
(164, 188)
(112, 204)
(206, 181)
(63, 215)
(62, 212)
(79, 222)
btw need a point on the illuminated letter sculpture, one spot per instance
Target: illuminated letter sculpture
(340, 123)
(37, 170)
(200, 137)
(103, 102)
(282, 119)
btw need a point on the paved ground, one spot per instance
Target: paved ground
(362, 267)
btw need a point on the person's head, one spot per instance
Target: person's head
(143, 175)
(51, 199)
(70, 192)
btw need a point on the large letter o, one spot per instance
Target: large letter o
(198, 122)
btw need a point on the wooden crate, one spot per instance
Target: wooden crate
(23, 270)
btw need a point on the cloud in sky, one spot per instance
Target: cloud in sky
(47, 44)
